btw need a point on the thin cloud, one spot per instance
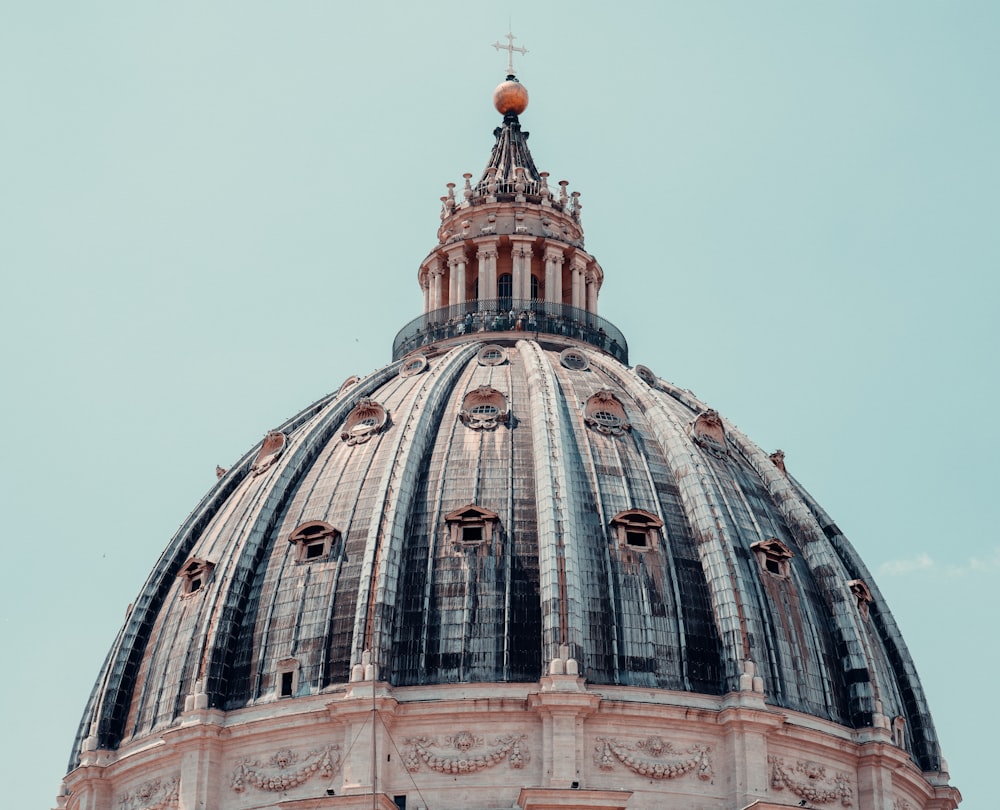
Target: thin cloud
(897, 568)
(924, 562)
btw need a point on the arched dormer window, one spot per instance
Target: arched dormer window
(194, 574)
(862, 594)
(708, 431)
(484, 408)
(605, 413)
(366, 420)
(637, 529)
(471, 525)
(271, 448)
(313, 541)
(773, 556)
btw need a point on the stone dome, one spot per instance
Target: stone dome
(510, 509)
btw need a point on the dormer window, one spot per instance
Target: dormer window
(288, 677)
(604, 413)
(366, 420)
(483, 408)
(471, 525)
(313, 541)
(194, 575)
(574, 359)
(773, 556)
(491, 355)
(636, 529)
(708, 431)
(862, 594)
(270, 450)
(413, 365)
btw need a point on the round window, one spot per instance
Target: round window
(571, 358)
(606, 418)
(491, 355)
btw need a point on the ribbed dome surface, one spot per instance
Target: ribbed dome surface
(476, 508)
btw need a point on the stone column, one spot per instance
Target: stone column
(521, 253)
(425, 287)
(435, 272)
(592, 292)
(456, 275)
(553, 275)
(487, 256)
(579, 267)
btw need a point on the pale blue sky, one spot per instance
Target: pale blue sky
(212, 213)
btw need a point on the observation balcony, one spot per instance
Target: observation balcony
(510, 319)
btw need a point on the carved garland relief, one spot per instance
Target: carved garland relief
(285, 769)
(653, 758)
(808, 781)
(470, 757)
(156, 794)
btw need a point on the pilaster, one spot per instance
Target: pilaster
(198, 741)
(563, 704)
(521, 252)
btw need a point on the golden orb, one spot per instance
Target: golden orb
(510, 97)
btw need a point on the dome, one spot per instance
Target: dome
(510, 527)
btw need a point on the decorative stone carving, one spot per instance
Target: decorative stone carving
(470, 758)
(808, 780)
(708, 431)
(367, 419)
(901, 804)
(484, 408)
(286, 769)
(156, 794)
(653, 758)
(778, 459)
(220, 471)
(605, 414)
(270, 450)
(862, 594)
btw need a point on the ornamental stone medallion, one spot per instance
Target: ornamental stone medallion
(286, 769)
(472, 753)
(653, 758)
(808, 780)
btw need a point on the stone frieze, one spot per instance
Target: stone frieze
(472, 754)
(809, 781)
(156, 794)
(286, 769)
(653, 758)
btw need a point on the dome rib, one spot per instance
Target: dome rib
(398, 488)
(561, 587)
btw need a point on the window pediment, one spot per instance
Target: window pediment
(194, 574)
(773, 556)
(471, 525)
(637, 529)
(313, 541)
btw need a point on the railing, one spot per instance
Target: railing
(529, 317)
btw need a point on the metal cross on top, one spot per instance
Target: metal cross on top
(510, 47)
